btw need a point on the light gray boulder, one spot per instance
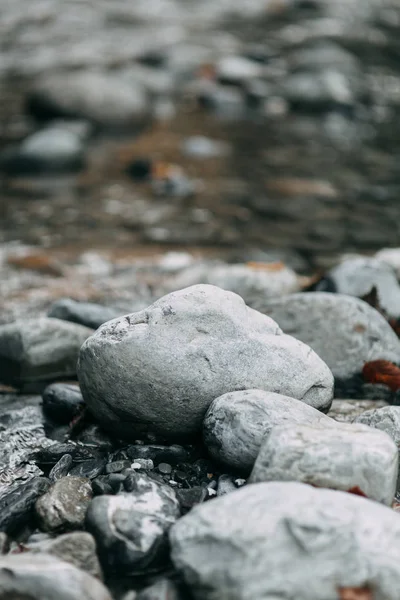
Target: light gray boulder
(252, 283)
(40, 349)
(287, 540)
(130, 528)
(44, 577)
(103, 98)
(347, 457)
(159, 369)
(346, 411)
(64, 506)
(236, 423)
(344, 331)
(385, 419)
(357, 276)
(77, 548)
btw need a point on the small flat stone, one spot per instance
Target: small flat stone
(85, 313)
(61, 468)
(16, 506)
(164, 469)
(100, 487)
(190, 497)
(89, 468)
(173, 454)
(64, 505)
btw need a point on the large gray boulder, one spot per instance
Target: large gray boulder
(159, 369)
(44, 577)
(288, 540)
(344, 331)
(347, 457)
(236, 423)
(357, 276)
(39, 349)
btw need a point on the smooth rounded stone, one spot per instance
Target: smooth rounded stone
(346, 411)
(348, 458)
(163, 589)
(77, 548)
(237, 69)
(344, 331)
(386, 419)
(164, 469)
(89, 468)
(101, 487)
(357, 276)
(103, 98)
(65, 504)
(52, 150)
(143, 463)
(85, 313)
(16, 507)
(61, 468)
(287, 540)
(130, 528)
(45, 577)
(252, 283)
(159, 369)
(39, 349)
(62, 402)
(236, 423)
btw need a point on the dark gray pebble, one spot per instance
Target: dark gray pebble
(190, 497)
(117, 466)
(62, 402)
(164, 469)
(89, 468)
(52, 454)
(170, 454)
(16, 507)
(61, 468)
(100, 487)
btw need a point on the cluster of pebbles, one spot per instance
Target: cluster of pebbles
(197, 447)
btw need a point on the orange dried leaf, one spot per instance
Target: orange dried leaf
(355, 593)
(357, 491)
(382, 371)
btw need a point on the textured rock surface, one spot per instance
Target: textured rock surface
(236, 423)
(158, 370)
(163, 589)
(16, 506)
(44, 577)
(85, 313)
(345, 411)
(345, 332)
(386, 419)
(64, 506)
(357, 277)
(287, 540)
(347, 457)
(77, 548)
(39, 349)
(130, 528)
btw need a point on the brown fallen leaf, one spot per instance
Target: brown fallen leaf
(355, 593)
(357, 491)
(36, 261)
(382, 371)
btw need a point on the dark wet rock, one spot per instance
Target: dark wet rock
(16, 507)
(189, 497)
(347, 457)
(117, 466)
(89, 468)
(344, 331)
(259, 534)
(64, 505)
(61, 468)
(99, 97)
(358, 276)
(49, 151)
(22, 431)
(173, 454)
(93, 435)
(101, 487)
(226, 485)
(41, 576)
(85, 313)
(163, 589)
(140, 169)
(130, 528)
(77, 548)
(40, 349)
(219, 345)
(62, 402)
(376, 391)
(116, 481)
(52, 454)
(164, 469)
(236, 423)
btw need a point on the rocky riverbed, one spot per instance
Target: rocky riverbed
(200, 300)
